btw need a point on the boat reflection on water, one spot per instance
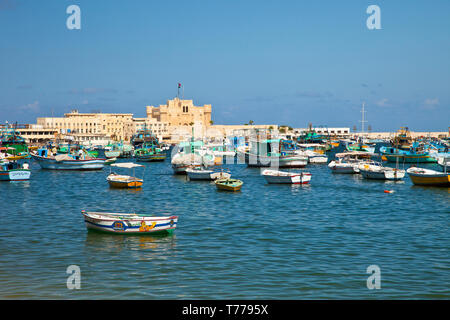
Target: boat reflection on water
(296, 188)
(21, 183)
(125, 190)
(99, 243)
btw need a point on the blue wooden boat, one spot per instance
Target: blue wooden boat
(14, 171)
(413, 155)
(82, 161)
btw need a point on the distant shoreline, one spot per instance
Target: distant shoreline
(384, 135)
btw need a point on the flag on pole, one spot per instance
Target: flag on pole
(179, 85)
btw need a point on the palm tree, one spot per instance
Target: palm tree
(251, 122)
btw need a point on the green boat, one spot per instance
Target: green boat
(150, 152)
(14, 145)
(112, 151)
(229, 184)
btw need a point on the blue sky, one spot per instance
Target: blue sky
(273, 62)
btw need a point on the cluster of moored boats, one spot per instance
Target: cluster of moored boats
(198, 159)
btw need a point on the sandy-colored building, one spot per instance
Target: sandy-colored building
(117, 126)
(179, 112)
(35, 134)
(175, 116)
(158, 128)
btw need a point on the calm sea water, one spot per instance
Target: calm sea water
(266, 242)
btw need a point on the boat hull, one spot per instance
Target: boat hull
(124, 185)
(408, 158)
(344, 168)
(208, 175)
(363, 148)
(297, 178)
(152, 157)
(112, 154)
(181, 168)
(318, 160)
(199, 174)
(15, 175)
(223, 185)
(280, 162)
(131, 226)
(382, 175)
(429, 177)
(119, 181)
(52, 164)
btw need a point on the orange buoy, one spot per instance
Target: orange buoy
(388, 191)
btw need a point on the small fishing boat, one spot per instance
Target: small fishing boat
(427, 177)
(229, 184)
(15, 146)
(200, 173)
(129, 223)
(315, 155)
(361, 147)
(377, 171)
(14, 171)
(415, 154)
(67, 161)
(112, 151)
(123, 181)
(190, 154)
(275, 176)
(150, 153)
(182, 162)
(348, 162)
(403, 139)
(274, 153)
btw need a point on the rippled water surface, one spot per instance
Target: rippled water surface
(265, 242)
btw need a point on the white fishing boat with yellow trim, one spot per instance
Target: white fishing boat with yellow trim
(124, 181)
(129, 223)
(427, 177)
(348, 162)
(376, 171)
